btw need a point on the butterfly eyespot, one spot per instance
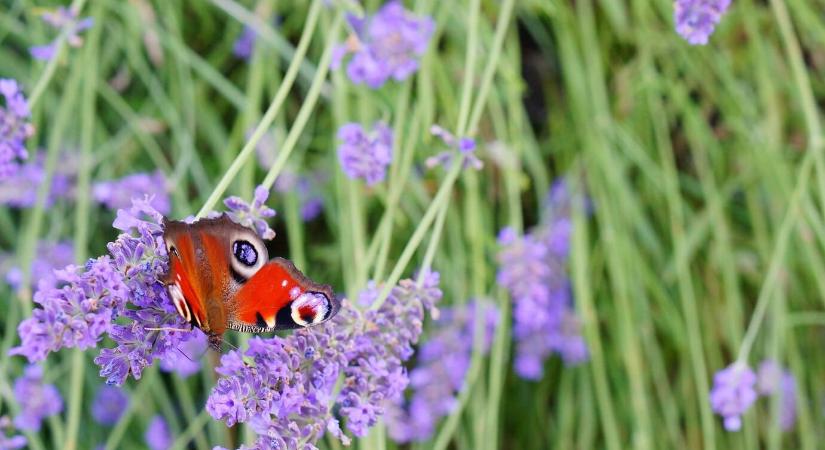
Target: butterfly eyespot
(245, 253)
(248, 256)
(310, 308)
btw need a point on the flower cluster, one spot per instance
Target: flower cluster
(252, 215)
(75, 311)
(697, 19)
(533, 269)
(292, 390)
(245, 44)
(441, 368)
(157, 434)
(19, 189)
(14, 128)
(465, 146)
(387, 45)
(49, 256)
(37, 399)
(65, 20)
(736, 388)
(109, 404)
(365, 155)
(118, 194)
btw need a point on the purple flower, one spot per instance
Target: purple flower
(733, 393)
(14, 128)
(307, 190)
(533, 269)
(66, 21)
(284, 387)
(186, 360)
(49, 256)
(118, 194)
(157, 434)
(77, 313)
(365, 155)
(465, 147)
(139, 256)
(386, 45)
(245, 43)
(254, 215)
(109, 404)
(19, 189)
(37, 399)
(772, 379)
(9, 442)
(441, 367)
(696, 19)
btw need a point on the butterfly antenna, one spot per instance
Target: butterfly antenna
(185, 355)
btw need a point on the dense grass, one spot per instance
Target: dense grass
(704, 166)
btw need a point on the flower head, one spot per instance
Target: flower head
(109, 404)
(252, 215)
(19, 189)
(387, 45)
(533, 269)
(365, 154)
(772, 379)
(157, 434)
(66, 21)
(37, 399)
(118, 194)
(285, 387)
(15, 127)
(186, 360)
(441, 367)
(465, 146)
(48, 257)
(245, 44)
(697, 19)
(733, 393)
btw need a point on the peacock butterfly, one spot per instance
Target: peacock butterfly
(220, 276)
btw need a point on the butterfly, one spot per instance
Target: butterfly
(220, 277)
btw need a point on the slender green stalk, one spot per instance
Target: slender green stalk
(271, 112)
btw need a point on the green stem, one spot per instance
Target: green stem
(271, 112)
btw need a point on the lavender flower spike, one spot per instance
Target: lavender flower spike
(733, 393)
(386, 45)
(365, 155)
(37, 399)
(253, 215)
(465, 146)
(65, 20)
(157, 434)
(14, 127)
(697, 19)
(109, 404)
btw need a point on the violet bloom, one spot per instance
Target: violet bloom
(365, 154)
(697, 19)
(252, 215)
(772, 379)
(387, 45)
(37, 399)
(307, 190)
(157, 434)
(149, 330)
(465, 146)
(118, 194)
(245, 43)
(19, 189)
(77, 313)
(533, 269)
(66, 21)
(109, 404)
(186, 361)
(48, 257)
(285, 387)
(441, 367)
(732, 394)
(14, 442)
(14, 128)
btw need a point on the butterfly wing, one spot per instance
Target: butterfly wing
(182, 281)
(280, 297)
